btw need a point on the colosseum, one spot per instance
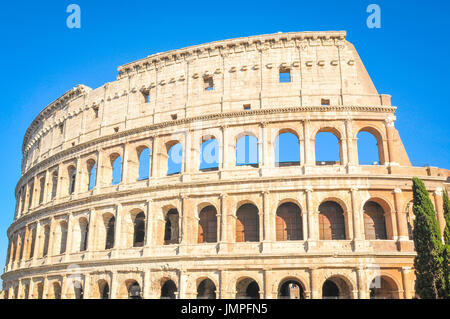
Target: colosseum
(116, 199)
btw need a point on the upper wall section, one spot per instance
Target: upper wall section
(177, 84)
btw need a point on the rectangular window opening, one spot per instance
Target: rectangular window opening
(325, 102)
(247, 107)
(285, 75)
(174, 117)
(146, 95)
(209, 83)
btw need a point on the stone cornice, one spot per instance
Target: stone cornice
(206, 117)
(61, 101)
(262, 40)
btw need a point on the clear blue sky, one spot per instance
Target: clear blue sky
(41, 58)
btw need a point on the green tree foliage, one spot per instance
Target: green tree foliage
(447, 218)
(446, 251)
(428, 243)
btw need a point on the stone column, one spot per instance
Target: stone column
(146, 284)
(224, 220)
(309, 144)
(91, 232)
(51, 239)
(126, 165)
(390, 130)
(313, 235)
(362, 283)
(37, 243)
(87, 286)
(186, 166)
(149, 228)
(263, 147)
(63, 287)
(402, 225)
(183, 232)
(114, 285)
(118, 230)
(358, 239)
(268, 293)
(439, 205)
(406, 279)
(351, 154)
(268, 227)
(314, 282)
(182, 284)
(69, 237)
(226, 149)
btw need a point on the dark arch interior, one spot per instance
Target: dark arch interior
(139, 230)
(134, 291)
(247, 223)
(247, 289)
(206, 290)
(207, 226)
(331, 221)
(171, 230)
(330, 290)
(105, 291)
(289, 222)
(291, 289)
(168, 290)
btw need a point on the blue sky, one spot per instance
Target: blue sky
(41, 58)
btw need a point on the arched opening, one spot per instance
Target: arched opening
(41, 189)
(383, 287)
(116, 163)
(84, 229)
(369, 148)
(110, 231)
(134, 290)
(207, 225)
(168, 290)
(56, 290)
(287, 150)
(206, 289)
(139, 230)
(33, 242)
(171, 231)
(331, 221)
(335, 288)
(40, 290)
(26, 291)
(92, 171)
(144, 164)
(104, 290)
(63, 241)
(209, 155)
(247, 223)
(247, 288)
(72, 173)
(54, 185)
(46, 240)
(291, 289)
(78, 290)
(289, 222)
(374, 221)
(247, 151)
(327, 147)
(175, 159)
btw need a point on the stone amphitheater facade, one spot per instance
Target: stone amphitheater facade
(264, 230)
